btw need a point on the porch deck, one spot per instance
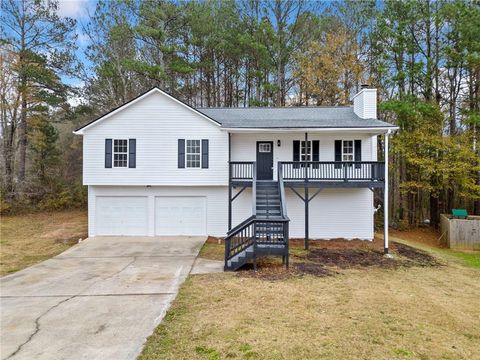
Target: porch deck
(315, 174)
(266, 231)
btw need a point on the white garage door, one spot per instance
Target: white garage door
(180, 215)
(121, 215)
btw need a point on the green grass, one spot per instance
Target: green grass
(468, 258)
(28, 239)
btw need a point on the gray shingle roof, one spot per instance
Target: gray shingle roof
(291, 117)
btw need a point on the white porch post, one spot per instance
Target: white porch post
(385, 197)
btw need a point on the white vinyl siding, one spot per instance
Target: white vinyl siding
(365, 104)
(156, 122)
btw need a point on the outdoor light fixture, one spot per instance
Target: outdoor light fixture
(279, 143)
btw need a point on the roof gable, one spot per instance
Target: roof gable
(135, 100)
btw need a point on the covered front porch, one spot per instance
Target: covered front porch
(306, 164)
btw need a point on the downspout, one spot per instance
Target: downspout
(306, 201)
(385, 196)
(229, 182)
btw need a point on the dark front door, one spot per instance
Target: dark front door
(264, 160)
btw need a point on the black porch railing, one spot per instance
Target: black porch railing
(315, 170)
(332, 170)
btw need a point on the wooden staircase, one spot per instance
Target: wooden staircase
(268, 200)
(265, 233)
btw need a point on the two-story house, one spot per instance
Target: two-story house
(156, 166)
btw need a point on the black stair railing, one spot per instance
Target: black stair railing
(256, 235)
(240, 239)
(281, 190)
(261, 234)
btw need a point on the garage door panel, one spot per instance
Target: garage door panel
(121, 215)
(176, 215)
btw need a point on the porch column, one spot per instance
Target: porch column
(385, 197)
(305, 169)
(229, 182)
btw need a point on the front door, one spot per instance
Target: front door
(264, 160)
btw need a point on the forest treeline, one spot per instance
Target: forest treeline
(422, 56)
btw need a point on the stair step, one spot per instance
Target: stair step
(268, 201)
(268, 207)
(269, 196)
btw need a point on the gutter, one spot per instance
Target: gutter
(382, 130)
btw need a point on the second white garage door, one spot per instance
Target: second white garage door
(184, 215)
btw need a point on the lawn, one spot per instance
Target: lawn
(362, 306)
(31, 238)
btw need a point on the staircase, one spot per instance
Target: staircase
(265, 233)
(268, 200)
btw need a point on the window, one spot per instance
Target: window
(305, 151)
(120, 153)
(193, 153)
(264, 147)
(347, 150)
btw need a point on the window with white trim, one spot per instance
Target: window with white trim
(193, 153)
(120, 153)
(305, 150)
(264, 147)
(347, 150)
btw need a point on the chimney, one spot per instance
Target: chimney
(365, 103)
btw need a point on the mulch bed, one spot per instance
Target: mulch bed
(324, 261)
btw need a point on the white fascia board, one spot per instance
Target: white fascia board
(82, 130)
(376, 130)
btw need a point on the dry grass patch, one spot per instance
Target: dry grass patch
(213, 249)
(31, 238)
(362, 312)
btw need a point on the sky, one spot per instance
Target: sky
(78, 10)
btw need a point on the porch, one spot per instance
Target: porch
(306, 176)
(321, 174)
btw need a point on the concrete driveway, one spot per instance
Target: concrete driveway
(98, 300)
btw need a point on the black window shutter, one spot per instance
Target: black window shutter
(132, 153)
(358, 153)
(338, 153)
(181, 153)
(315, 152)
(108, 153)
(204, 154)
(296, 152)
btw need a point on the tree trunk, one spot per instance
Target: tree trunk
(22, 134)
